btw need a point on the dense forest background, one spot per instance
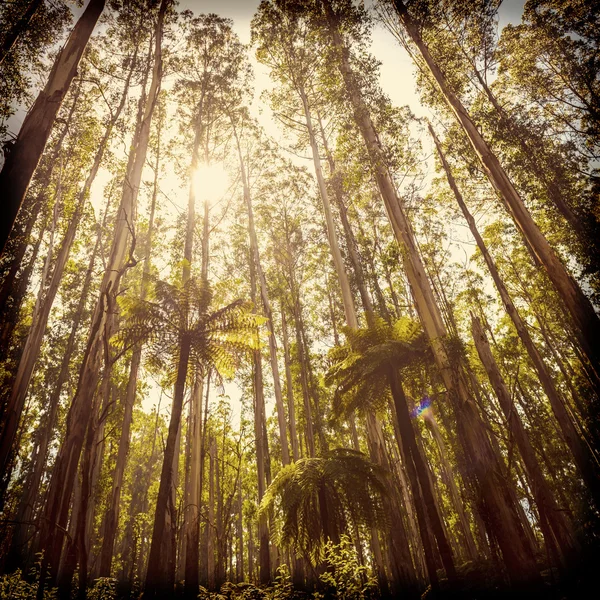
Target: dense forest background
(266, 333)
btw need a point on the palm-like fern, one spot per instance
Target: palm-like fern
(216, 337)
(316, 499)
(359, 369)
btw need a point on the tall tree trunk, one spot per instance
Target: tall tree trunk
(111, 517)
(239, 563)
(210, 547)
(552, 520)
(494, 496)
(192, 509)
(79, 413)
(289, 386)
(157, 574)
(347, 298)
(285, 453)
(336, 184)
(413, 453)
(25, 154)
(260, 440)
(585, 462)
(468, 540)
(576, 302)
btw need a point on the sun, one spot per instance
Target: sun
(210, 182)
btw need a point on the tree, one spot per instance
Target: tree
(317, 498)
(26, 151)
(365, 372)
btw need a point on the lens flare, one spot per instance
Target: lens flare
(423, 409)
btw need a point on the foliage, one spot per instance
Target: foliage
(104, 588)
(359, 368)
(345, 577)
(316, 499)
(217, 337)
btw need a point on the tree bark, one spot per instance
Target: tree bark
(26, 152)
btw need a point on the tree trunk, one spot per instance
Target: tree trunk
(157, 575)
(576, 302)
(30, 213)
(260, 440)
(192, 510)
(347, 298)
(359, 275)
(469, 542)
(26, 152)
(289, 386)
(412, 452)
(255, 256)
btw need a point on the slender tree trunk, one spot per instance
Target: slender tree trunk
(16, 401)
(347, 298)
(30, 497)
(289, 386)
(469, 542)
(260, 439)
(255, 256)
(413, 453)
(157, 575)
(351, 244)
(240, 531)
(576, 302)
(300, 352)
(211, 514)
(26, 152)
